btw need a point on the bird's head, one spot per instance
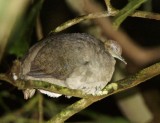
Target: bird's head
(114, 49)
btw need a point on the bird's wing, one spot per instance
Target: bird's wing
(49, 71)
(53, 62)
(58, 58)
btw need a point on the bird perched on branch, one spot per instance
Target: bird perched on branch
(75, 60)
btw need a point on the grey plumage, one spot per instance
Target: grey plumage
(76, 60)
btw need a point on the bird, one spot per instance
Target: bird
(74, 60)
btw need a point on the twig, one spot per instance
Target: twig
(140, 14)
(80, 19)
(114, 12)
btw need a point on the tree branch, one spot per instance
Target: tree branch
(110, 89)
(112, 12)
(127, 83)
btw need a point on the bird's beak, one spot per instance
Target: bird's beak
(121, 58)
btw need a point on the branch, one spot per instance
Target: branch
(141, 56)
(77, 20)
(120, 15)
(73, 109)
(140, 14)
(112, 88)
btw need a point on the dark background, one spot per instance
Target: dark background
(53, 13)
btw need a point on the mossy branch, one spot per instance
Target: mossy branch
(124, 84)
(87, 100)
(120, 85)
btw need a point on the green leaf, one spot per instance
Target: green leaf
(126, 11)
